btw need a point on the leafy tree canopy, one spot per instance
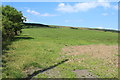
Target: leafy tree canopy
(12, 21)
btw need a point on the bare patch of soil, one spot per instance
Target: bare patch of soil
(53, 73)
(84, 74)
(105, 52)
(31, 70)
(99, 59)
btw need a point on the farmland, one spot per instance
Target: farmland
(62, 53)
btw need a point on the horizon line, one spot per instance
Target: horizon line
(74, 26)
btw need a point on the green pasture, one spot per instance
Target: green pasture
(40, 48)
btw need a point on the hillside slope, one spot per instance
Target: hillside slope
(45, 52)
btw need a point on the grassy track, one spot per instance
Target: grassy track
(39, 48)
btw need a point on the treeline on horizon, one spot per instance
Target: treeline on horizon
(32, 25)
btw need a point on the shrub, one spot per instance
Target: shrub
(12, 22)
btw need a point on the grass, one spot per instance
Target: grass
(40, 47)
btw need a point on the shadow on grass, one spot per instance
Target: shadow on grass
(22, 38)
(41, 71)
(5, 44)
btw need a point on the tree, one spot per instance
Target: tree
(12, 21)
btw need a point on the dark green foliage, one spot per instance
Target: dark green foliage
(12, 22)
(73, 28)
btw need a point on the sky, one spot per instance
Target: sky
(76, 14)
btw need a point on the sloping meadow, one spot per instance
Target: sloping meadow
(39, 48)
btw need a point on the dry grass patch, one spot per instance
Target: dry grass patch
(106, 52)
(101, 59)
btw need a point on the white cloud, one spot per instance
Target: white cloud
(39, 14)
(33, 12)
(47, 14)
(116, 7)
(106, 28)
(65, 8)
(110, 28)
(104, 4)
(61, 5)
(104, 14)
(28, 20)
(81, 6)
(100, 27)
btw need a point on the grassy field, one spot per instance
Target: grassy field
(40, 48)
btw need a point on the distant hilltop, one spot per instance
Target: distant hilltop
(32, 25)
